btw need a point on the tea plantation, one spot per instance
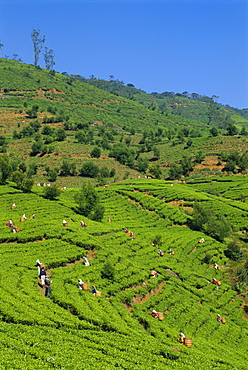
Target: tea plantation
(75, 329)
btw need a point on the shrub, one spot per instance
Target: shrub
(89, 169)
(89, 203)
(96, 152)
(51, 192)
(60, 134)
(233, 251)
(108, 271)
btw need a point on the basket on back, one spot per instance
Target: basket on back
(85, 286)
(188, 342)
(160, 315)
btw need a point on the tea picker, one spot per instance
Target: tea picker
(154, 314)
(182, 337)
(80, 284)
(48, 287)
(86, 262)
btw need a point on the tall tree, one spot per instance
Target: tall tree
(211, 111)
(5, 169)
(1, 47)
(49, 58)
(38, 42)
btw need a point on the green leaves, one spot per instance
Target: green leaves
(89, 203)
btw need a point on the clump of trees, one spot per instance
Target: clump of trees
(233, 251)
(3, 144)
(203, 219)
(235, 162)
(38, 42)
(91, 169)
(88, 203)
(51, 192)
(185, 166)
(108, 271)
(68, 168)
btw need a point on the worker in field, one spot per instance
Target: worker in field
(126, 231)
(33, 216)
(24, 216)
(216, 266)
(42, 274)
(86, 262)
(80, 284)
(181, 338)
(38, 265)
(13, 229)
(64, 223)
(220, 319)
(132, 235)
(153, 273)
(9, 223)
(216, 283)
(48, 287)
(154, 314)
(83, 224)
(161, 253)
(93, 290)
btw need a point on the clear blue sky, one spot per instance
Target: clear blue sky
(181, 45)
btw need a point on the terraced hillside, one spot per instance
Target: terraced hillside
(75, 329)
(47, 118)
(193, 106)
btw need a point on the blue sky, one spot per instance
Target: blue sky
(161, 45)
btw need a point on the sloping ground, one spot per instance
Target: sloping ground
(74, 329)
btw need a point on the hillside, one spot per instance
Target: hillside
(194, 106)
(47, 117)
(164, 182)
(75, 329)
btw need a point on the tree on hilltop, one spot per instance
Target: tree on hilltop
(1, 48)
(49, 58)
(38, 44)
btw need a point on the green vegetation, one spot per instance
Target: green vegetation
(184, 158)
(47, 116)
(117, 328)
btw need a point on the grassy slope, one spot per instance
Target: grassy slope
(76, 102)
(180, 105)
(116, 330)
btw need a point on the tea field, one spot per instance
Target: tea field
(75, 329)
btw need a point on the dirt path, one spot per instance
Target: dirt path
(138, 299)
